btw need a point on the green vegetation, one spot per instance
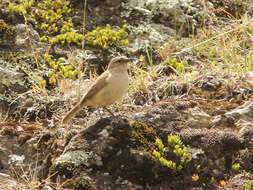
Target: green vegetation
(68, 37)
(176, 147)
(248, 185)
(22, 7)
(160, 144)
(67, 70)
(107, 37)
(142, 74)
(178, 65)
(236, 167)
(230, 46)
(224, 49)
(50, 12)
(51, 18)
(138, 82)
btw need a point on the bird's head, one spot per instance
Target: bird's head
(120, 62)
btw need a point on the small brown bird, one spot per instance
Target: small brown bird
(107, 89)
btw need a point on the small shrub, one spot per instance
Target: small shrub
(107, 37)
(22, 7)
(236, 167)
(160, 144)
(179, 66)
(61, 66)
(177, 148)
(248, 185)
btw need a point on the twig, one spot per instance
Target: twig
(84, 61)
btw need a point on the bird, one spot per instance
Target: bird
(109, 87)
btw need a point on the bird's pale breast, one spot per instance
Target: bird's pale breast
(117, 86)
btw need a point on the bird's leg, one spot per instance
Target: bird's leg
(109, 111)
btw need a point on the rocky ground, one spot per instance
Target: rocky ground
(203, 108)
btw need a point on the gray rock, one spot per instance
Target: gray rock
(156, 20)
(23, 34)
(78, 158)
(222, 121)
(147, 35)
(198, 118)
(245, 130)
(244, 112)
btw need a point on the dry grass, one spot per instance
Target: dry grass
(226, 48)
(27, 180)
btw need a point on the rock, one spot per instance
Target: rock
(247, 80)
(197, 153)
(238, 181)
(77, 159)
(12, 83)
(245, 131)
(222, 121)
(22, 39)
(10, 147)
(154, 35)
(198, 118)
(210, 83)
(176, 11)
(159, 115)
(213, 141)
(9, 183)
(153, 21)
(244, 112)
(2, 176)
(119, 148)
(12, 79)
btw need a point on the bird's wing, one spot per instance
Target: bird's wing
(98, 85)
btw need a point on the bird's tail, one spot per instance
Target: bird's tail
(72, 113)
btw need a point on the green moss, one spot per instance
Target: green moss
(50, 18)
(157, 154)
(52, 11)
(78, 182)
(174, 156)
(143, 135)
(6, 32)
